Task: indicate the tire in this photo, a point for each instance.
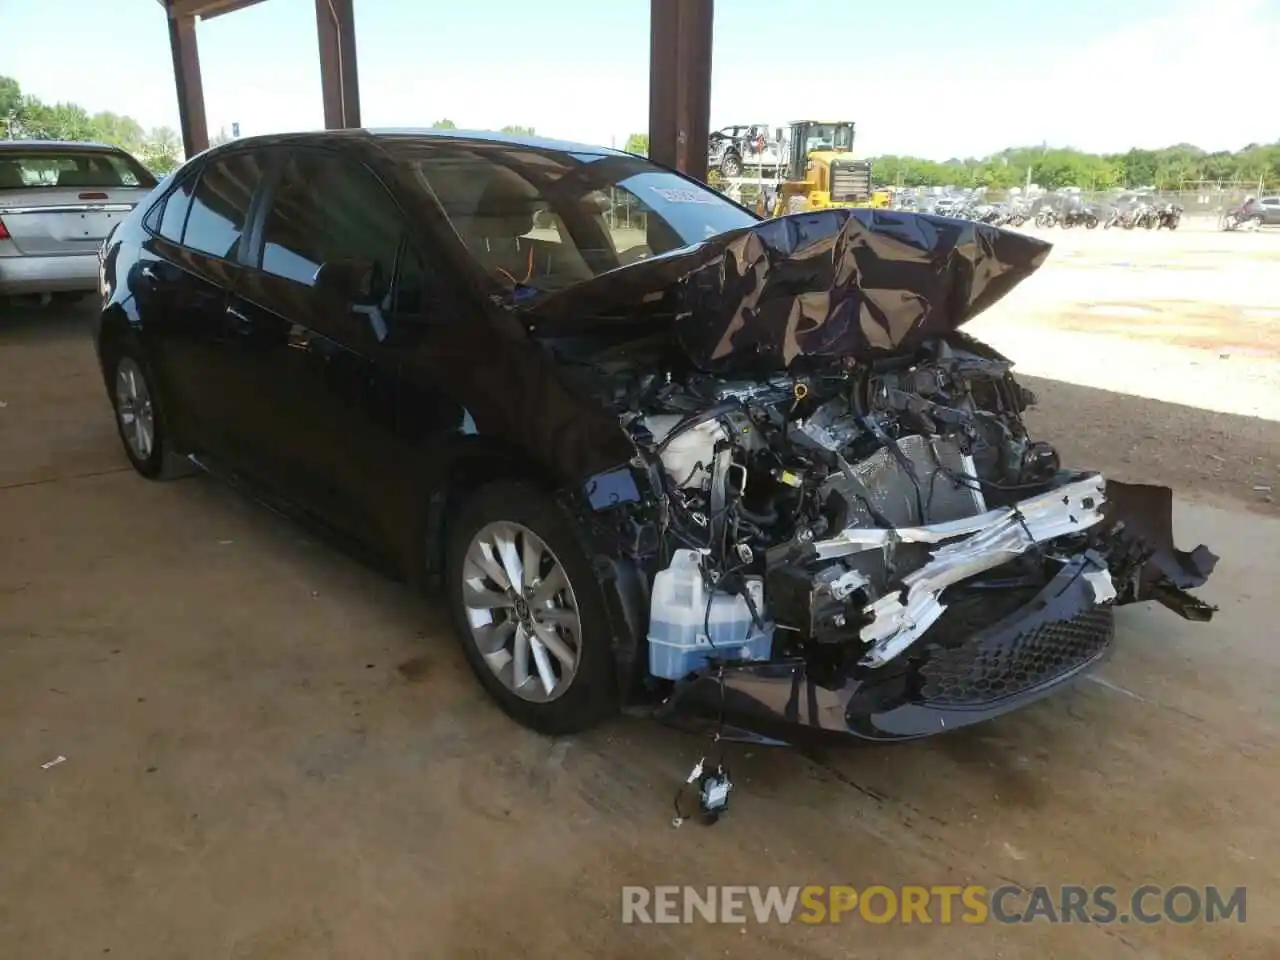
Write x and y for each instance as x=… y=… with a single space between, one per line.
x=139 y=415
x=731 y=165
x=1091 y=223
x=517 y=513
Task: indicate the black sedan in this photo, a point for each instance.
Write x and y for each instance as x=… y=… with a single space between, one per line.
x=656 y=451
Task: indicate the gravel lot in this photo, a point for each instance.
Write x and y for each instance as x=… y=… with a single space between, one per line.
x=273 y=753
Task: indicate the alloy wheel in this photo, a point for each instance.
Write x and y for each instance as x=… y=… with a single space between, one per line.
x=521 y=611
x=134 y=409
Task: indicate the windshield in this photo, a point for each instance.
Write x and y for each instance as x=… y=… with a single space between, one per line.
x=542 y=220
x=829 y=136
x=53 y=167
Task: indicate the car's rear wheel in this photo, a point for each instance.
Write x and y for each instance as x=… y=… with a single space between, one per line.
x=139 y=419
x=529 y=611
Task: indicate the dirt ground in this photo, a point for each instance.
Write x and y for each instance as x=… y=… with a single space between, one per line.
x=271 y=752
x=1156 y=357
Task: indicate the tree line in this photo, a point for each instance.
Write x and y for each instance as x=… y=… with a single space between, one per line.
x=160 y=148
x=1169 y=168
x=23 y=116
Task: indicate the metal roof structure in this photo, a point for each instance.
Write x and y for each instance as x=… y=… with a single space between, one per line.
x=679 y=73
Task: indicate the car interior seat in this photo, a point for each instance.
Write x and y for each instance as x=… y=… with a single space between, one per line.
x=497 y=235
x=10 y=177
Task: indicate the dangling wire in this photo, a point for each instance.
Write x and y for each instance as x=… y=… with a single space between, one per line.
x=528 y=274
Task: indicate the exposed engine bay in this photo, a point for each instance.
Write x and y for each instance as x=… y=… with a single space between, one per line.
x=841 y=517
x=859 y=495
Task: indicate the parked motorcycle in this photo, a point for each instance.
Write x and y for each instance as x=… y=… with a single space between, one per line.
x=1170 y=216
x=1080 y=216
x=991 y=213
x=1246 y=217
x=1118 y=218
x=1145 y=216
x=1046 y=217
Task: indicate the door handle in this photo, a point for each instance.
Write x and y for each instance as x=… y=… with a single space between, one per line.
x=238 y=322
x=148 y=272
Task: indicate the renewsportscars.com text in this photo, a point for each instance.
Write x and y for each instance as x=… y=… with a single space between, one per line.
x=943 y=904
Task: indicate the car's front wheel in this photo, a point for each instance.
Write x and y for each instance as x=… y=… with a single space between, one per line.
x=529 y=611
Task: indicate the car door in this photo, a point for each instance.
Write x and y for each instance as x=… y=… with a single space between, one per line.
x=182 y=283
x=1270 y=210
x=325 y=414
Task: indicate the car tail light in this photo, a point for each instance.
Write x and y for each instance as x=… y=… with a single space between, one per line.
x=4 y=231
x=93 y=196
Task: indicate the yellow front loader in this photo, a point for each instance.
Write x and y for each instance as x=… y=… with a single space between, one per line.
x=822 y=172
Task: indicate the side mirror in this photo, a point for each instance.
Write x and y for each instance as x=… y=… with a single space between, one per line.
x=355 y=281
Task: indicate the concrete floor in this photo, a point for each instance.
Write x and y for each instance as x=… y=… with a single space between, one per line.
x=271 y=752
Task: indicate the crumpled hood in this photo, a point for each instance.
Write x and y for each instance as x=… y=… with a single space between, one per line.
x=831 y=283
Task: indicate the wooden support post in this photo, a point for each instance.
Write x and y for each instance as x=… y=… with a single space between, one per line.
x=186 y=75
x=680 y=39
x=339 y=78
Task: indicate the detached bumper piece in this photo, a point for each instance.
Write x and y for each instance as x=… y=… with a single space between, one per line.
x=991 y=650
x=966 y=677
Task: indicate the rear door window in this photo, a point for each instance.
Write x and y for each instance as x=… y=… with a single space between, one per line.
x=174 y=217
x=220 y=204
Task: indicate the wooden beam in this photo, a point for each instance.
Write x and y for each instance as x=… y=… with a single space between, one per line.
x=339 y=78
x=204 y=9
x=186 y=75
x=680 y=39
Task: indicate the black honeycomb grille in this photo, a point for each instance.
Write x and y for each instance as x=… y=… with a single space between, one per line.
x=984 y=669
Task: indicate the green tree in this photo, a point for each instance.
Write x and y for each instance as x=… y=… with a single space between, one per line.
x=1140 y=168
x=10 y=97
x=114 y=128
x=58 y=121
x=162 y=150
x=518 y=131
x=444 y=125
x=638 y=143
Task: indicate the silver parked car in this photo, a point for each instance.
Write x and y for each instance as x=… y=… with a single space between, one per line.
x=58 y=202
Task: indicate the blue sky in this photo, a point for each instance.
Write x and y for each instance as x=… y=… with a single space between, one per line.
x=928 y=77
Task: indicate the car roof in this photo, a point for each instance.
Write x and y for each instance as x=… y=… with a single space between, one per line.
x=56 y=145
x=391 y=135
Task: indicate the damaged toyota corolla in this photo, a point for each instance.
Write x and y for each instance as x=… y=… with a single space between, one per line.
x=661 y=454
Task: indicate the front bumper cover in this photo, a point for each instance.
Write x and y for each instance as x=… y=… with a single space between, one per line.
x=1059 y=633
x=1063 y=630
